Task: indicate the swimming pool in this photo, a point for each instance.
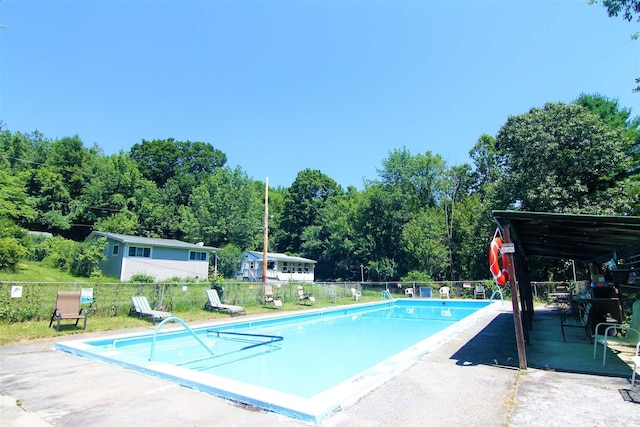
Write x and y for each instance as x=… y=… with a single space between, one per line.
x=303 y=365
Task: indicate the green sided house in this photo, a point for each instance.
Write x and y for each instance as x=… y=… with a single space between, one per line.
x=159 y=258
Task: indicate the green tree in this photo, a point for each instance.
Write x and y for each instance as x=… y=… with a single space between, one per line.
x=112 y=187
x=125 y=222
x=415 y=176
x=229 y=260
x=560 y=158
x=14 y=201
x=307 y=196
x=424 y=243
x=60 y=252
x=335 y=239
x=161 y=160
x=225 y=208
x=618 y=118
x=87 y=256
x=381 y=217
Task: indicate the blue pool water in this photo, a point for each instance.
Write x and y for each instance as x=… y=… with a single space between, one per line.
x=302 y=365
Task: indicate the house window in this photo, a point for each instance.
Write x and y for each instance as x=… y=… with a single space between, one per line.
x=252 y=265
x=271 y=265
x=197 y=256
x=116 y=248
x=299 y=267
x=285 y=266
x=137 y=251
x=306 y=268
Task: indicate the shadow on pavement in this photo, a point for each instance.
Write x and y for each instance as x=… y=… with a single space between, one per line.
x=495 y=345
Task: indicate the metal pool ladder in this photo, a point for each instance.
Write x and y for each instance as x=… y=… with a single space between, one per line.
x=387 y=295
x=152 y=353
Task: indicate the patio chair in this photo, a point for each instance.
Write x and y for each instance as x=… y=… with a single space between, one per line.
x=444 y=292
x=561 y=297
x=479 y=292
x=356 y=294
x=143 y=309
x=425 y=292
x=270 y=297
x=68 y=307
x=214 y=303
x=408 y=292
x=580 y=318
x=332 y=294
x=302 y=297
x=617 y=334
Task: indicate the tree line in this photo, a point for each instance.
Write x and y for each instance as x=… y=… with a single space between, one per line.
x=420 y=219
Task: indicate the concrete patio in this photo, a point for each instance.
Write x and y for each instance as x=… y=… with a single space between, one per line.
x=470 y=380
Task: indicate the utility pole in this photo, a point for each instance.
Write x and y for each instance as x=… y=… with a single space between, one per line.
x=265 y=245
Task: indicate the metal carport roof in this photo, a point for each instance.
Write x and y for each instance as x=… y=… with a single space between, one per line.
x=591 y=238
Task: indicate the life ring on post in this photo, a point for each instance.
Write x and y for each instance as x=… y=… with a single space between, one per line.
x=499 y=273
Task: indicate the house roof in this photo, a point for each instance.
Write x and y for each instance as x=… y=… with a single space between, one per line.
x=150 y=241
x=591 y=238
x=280 y=257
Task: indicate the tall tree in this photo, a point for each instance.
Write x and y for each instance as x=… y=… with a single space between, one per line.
x=224 y=209
x=560 y=158
x=618 y=118
x=415 y=176
x=160 y=160
x=304 y=201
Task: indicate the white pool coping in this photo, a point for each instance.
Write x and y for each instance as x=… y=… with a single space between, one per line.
x=313 y=409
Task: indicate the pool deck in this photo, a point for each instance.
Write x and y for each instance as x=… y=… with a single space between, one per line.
x=470 y=380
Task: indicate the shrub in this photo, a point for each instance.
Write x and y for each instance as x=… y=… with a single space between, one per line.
x=10 y=253
x=87 y=257
x=60 y=252
x=142 y=278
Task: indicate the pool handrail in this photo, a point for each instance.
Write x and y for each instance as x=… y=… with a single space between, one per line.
x=173 y=319
x=272 y=338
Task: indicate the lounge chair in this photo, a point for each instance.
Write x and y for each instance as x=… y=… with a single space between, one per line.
x=270 y=297
x=214 y=303
x=68 y=307
x=302 y=297
x=141 y=307
x=577 y=319
x=617 y=334
x=479 y=292
x=355 y=294
x=444 y=292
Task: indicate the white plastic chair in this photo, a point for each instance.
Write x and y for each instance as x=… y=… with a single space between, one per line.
x=636 y=364
x=356 y=294
x=444 y=292
x=611 y=330
x=408 y=292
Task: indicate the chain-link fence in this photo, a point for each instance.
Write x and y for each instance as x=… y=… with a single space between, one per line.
x=22 y=301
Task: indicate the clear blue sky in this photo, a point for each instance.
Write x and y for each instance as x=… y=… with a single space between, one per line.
x=281 y=86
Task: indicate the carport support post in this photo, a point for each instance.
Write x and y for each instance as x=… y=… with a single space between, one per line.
x=517 y=320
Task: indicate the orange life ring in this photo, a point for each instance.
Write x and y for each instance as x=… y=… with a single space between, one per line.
x=499 y=274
